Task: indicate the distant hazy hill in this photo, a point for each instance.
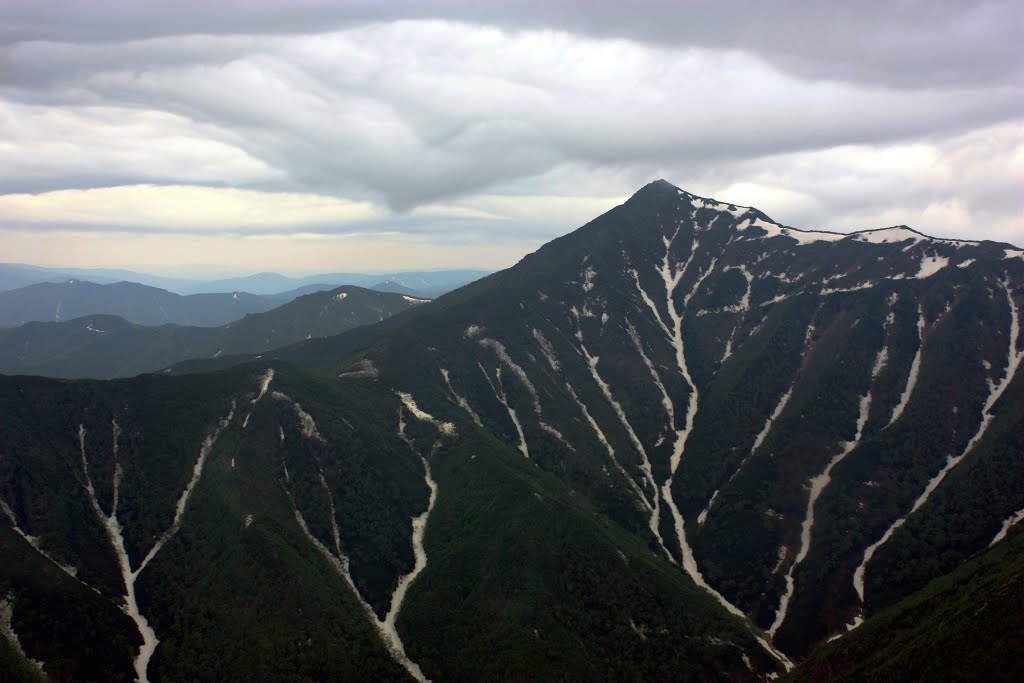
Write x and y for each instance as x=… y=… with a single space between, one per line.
x=394 y=286
x=418 y=283
x=427 y=283
x=106 y=346
x=140 y=304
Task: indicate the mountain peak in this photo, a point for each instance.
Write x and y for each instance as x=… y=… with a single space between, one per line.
x=660 y=186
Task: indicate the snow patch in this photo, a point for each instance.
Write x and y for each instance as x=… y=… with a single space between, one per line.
x=887 y=236
x=446 y=428
x=499 y=394
x=801 y=236
x=931 y=265
x=547 y=349
x=7 y=632
x=419 y=526
x=459 y=399
x=264 y=384
x=915 y=368
x=744 y=303
x=34 y=541
x=361 y=369
x=1009 y=522
x=307 y=425
x=588 y=278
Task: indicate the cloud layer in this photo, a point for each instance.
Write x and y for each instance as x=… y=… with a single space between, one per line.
x=459 y=122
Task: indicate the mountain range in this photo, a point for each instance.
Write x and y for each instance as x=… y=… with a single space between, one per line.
x=682 y=442
x=107 y=346
x=139 y=304
x=418 y=283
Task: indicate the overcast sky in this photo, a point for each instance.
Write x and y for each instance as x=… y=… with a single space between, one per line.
x=305 y=135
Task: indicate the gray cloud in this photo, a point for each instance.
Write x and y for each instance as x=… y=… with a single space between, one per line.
x=909 y=43
x=824 y=109
x=425 y=111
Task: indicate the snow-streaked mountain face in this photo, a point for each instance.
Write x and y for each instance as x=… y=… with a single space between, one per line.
x=681 y=441
x=762 y=403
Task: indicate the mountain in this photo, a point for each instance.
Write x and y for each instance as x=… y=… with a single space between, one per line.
x=16 y=275
x=135 y=303
x=421 y=283
x=394 y=286
x=682 y=442
x=106 y=346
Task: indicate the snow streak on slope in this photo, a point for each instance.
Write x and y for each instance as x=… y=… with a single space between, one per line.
x=674 y=334
x=7 y=632
x=645 y=466
x=115 y=534
x=915 y=368
x=446 y=428
x=761 y=436
x=419 y=526
x=459 y=399
x=264 y=384
x=1011 y=521
x=670 y=409
x=499 y=395
x=768 y=424
x=547 y=349
x=611 y=451
x=517 y=370
x=741 y=308
x=818 y=484
x=34 y=541
x=671 y=279
x=340 y=562
x=1013 y=361
x=549 y=353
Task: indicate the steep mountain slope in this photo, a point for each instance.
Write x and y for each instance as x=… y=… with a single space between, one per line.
x=139 y=304
x=929 y=636
x=250 y=526
x=683 y=442
x=812 y=424
x=104 y=346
